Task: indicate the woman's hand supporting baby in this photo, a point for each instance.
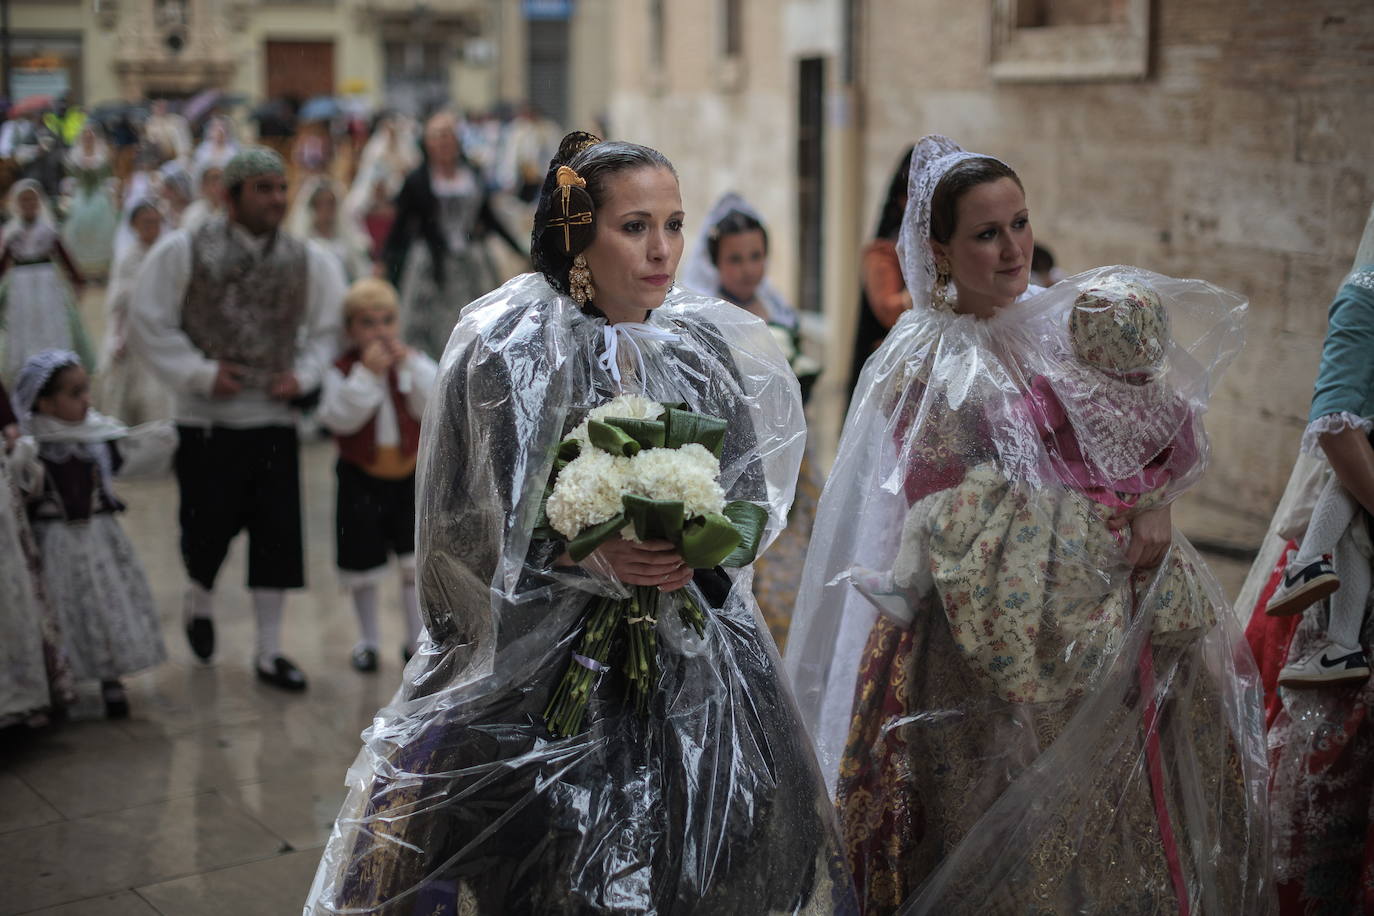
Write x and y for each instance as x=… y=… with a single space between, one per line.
x=1152 y=531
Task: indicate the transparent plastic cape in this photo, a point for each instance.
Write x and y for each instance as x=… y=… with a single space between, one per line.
x=460 y=801
x=1011 y=718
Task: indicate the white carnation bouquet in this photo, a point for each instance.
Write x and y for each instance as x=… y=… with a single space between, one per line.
x=639 y=469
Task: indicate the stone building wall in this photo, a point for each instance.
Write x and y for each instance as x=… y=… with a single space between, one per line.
x=1242 y=158
x=727 y=124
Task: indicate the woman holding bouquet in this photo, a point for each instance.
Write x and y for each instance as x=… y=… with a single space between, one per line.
x=1026 y=689
x=463 y=800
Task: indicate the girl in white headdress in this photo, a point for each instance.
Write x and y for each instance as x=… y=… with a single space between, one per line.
x=176 y=190
x=1017 y=674
x=90 y=571
x=128 y=387
x=318 y=214
x=209 y=202
x=731 y=261
x=92 y=217
x=37 y=304
x=219 y=145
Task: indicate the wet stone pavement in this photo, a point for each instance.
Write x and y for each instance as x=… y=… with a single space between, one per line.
x=217 y=794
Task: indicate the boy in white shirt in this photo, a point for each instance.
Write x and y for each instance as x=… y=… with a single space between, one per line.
x=373 y=398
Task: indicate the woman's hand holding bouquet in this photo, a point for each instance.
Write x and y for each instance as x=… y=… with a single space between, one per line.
x=638 y=483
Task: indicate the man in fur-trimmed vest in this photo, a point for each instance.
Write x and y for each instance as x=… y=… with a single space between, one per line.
x=373 y=399
x=240 y=319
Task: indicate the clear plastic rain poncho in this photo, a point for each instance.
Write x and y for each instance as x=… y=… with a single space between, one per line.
x=461 y=801
x=1013 y=720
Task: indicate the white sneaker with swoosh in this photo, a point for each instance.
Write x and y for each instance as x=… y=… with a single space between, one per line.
x=1326 y=664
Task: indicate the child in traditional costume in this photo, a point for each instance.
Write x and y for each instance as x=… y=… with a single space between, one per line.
x=373 y=399
x=91 y=573
x=128 y=387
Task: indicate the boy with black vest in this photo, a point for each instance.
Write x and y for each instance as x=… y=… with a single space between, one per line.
x=374 y=396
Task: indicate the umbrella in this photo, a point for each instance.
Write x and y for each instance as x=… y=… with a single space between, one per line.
x=30 y=105
x=110 y=113
x=274 y=119
x=201 y=104
x=321 y=108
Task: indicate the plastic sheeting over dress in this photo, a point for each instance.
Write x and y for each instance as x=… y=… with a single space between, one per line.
x=461 y=801
x=1015 y=720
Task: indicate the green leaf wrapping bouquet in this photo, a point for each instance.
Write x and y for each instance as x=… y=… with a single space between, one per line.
x=642 y=470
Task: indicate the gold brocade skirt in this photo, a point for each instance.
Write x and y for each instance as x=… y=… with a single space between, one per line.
x=934 y=785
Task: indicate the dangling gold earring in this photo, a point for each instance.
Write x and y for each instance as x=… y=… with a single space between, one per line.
x=580 y=281
x=944 y=299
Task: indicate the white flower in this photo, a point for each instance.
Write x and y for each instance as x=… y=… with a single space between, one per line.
x=628 y=406
x=588 y=492
x=688 y=474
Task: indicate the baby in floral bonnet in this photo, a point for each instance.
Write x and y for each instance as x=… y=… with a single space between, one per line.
x=1028 y=571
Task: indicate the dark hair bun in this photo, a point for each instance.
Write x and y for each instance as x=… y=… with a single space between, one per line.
x=573 y=144
x=563 y=225
x=570 y=226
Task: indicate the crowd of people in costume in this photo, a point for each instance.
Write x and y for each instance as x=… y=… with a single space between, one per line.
x=975 y=668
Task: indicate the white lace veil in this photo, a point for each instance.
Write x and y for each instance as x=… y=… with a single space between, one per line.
x=700 y=274
x=933 y=157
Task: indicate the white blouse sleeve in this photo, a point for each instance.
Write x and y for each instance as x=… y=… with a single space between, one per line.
x=148 y=450
x=347 y=403
x=423 y=373
x=155 y=318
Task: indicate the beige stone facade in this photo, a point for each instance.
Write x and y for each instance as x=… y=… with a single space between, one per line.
x=1241 y=156
x=135 y=48
x=731 y=121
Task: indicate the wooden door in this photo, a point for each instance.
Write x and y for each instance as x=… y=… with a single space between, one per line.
x=299 y=69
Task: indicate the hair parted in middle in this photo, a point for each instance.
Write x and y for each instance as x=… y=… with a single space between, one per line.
x=565 y=217
x=736 y=222
x=958 y=181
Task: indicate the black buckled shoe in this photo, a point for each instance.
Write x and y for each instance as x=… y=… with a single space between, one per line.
x=364 y=659
x=284 y=675
x=200 y=633
x=116 y=700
